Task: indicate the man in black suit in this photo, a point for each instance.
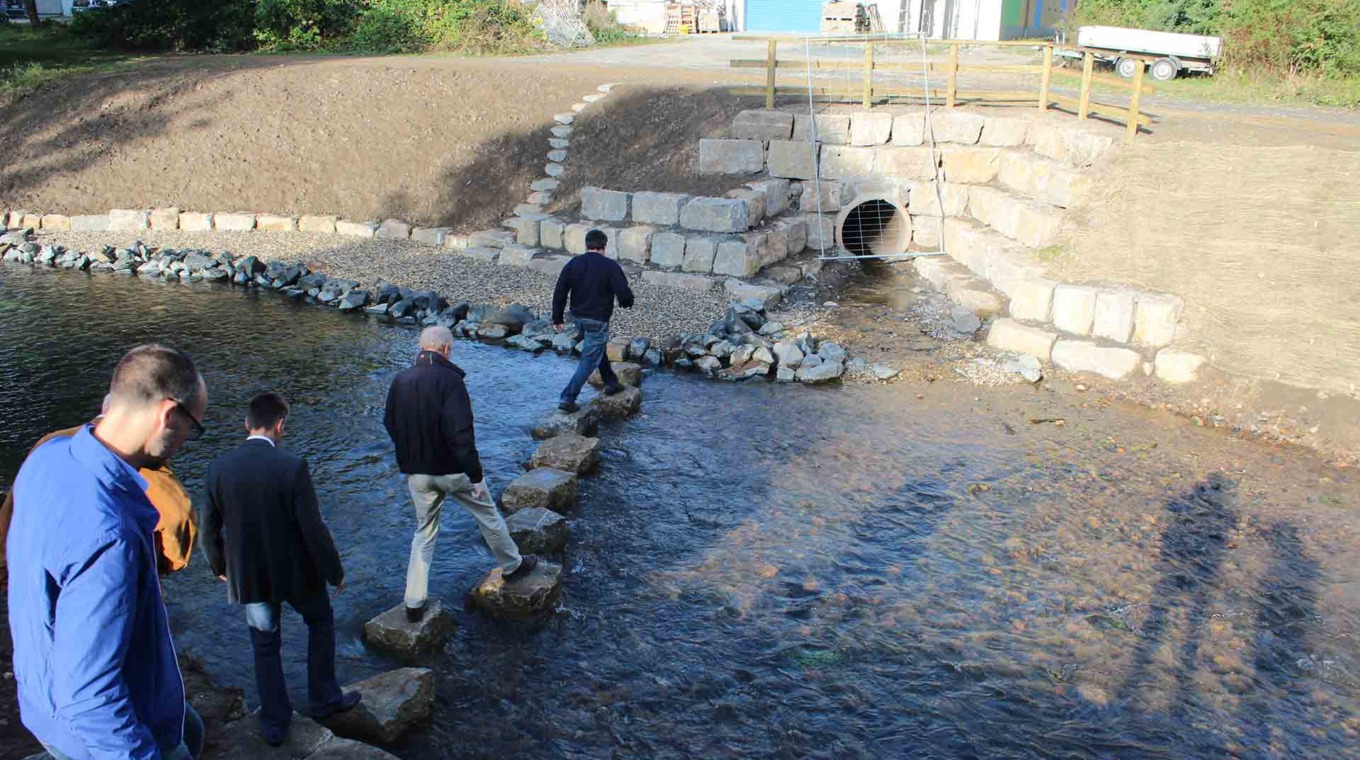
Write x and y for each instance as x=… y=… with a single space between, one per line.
x=276 y=549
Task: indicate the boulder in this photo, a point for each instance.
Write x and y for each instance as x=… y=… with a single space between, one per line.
x=824 y=372
x=543 y=488
x=793 y=159
x=619 y=406
x=617 y=349
x=668 y=249
x=658 y=208
x=629 y=373
x=604 y=205
x=528 y=598
x=515 y=316
x=493 y=332
x=353 y=300
x=716 y=215
x=393 y=703
x=558 y=422
x=763 y=125
x=538 y=531
x=391 y=633
x=572 y=453
x=718 y=156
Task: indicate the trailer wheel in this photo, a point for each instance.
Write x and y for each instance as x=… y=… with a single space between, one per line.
x=1164 y=69
x=1125 y=67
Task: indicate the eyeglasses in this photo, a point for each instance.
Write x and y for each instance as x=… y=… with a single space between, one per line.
x=197 y=430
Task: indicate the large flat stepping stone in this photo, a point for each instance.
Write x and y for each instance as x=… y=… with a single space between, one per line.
x=391 y=633
x=620 y=405
x=244 y=740
x=573 y=453
x=394 y=702
x=584 y=421
x=538 y=531
x=629 y=373
x=528 y=598
x=543 y=487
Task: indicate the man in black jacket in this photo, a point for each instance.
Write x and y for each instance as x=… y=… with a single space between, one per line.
x=276 y=549
x=593 y=281
x=429 y=417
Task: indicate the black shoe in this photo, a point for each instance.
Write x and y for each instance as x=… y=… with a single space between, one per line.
x=346 y=703
x=414 y=614
x=274 y=737
x=570 y=407
x=613 y=390
x=527 y=563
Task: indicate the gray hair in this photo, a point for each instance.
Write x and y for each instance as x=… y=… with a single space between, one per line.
x=153 y=372
x=436 y=338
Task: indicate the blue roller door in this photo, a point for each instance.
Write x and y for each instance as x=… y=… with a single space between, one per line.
x=784 y=16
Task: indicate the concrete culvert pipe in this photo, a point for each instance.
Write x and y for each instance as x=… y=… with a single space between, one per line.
x=873 y=226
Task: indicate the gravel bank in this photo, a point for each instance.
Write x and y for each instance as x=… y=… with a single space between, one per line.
x=660 y=312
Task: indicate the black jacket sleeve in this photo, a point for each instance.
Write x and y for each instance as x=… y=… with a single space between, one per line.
x=210 y=521
x=458 y=429
x=619 y=282
x=315 y=534
x=559 y=305
x=390 y=413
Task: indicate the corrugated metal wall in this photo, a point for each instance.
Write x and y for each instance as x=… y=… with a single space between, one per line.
x=784 y=16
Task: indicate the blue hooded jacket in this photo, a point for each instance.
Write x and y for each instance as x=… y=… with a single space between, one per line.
x=93 y=658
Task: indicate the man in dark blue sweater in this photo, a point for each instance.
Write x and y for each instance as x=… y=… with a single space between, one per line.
x=593 y=282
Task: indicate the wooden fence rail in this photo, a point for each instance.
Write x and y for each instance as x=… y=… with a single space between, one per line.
x=1083 y=106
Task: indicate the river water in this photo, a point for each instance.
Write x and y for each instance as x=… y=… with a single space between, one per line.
x=904 y=571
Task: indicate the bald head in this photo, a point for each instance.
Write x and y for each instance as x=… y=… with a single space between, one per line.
x=436 y=338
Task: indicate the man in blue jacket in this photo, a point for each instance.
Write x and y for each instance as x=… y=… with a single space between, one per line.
x=593 y=282
x=93 y=657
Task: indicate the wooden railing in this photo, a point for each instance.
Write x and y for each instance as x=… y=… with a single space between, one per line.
x=871 y=91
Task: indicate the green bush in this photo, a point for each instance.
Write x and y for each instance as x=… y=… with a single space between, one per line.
x=603 y=23
x=304 y=24
x=171 y=25
x=474 y=26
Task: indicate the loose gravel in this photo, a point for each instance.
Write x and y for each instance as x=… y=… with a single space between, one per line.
x=660 y=312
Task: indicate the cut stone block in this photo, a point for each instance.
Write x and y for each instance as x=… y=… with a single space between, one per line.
x=517 y=255
x=1085 y=356
x=731 y=156
x=1009 y=335
x=320 y=224
x=538 y=531
x=436 y=236
x=63 y=222
x=160 y=219
x=793 y=160
x=768 y=296
x=1114 y=315
x=1158 y=315
x=668 y=249
x=234 y=222
x=1070 y=145
x=629 y=373
x=493 y=238
x=549 y=265
x=777 y=194
x=825 y=197
x=356 y=229
x=558 y=422
x=839 y=162
x=907 y=163
x=487 y=255
x=699 y=254
x=1178 y=366
x=393 y=703
x=693 y=282
x=794 y=232
x=1004 y=132
x=925 y=232
x=737 y=258
x=716 y=215
x=1032 y=300
x=1074 y=308
x=924 y=198
x=635 y=243
x=390 y=632
x=957 y=126
x=275 y=223
x=870 y=128
x=572 y=453
x=528 y=598
x=621 y=405
x=755 y=204
x=93 y=223
x=909 y=130
x=821 y=231
x=1043 y=179
x=543 y=487
x=527 y=230
x=550 y=233
x=604 y=205
x=574 y=238
x=831 y=129
x=762 y=125
x=976 y=166
x=1035 y=224
x=658 y=208
x=127 y=220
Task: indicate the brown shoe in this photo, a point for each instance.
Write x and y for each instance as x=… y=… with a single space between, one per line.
x=527 y=563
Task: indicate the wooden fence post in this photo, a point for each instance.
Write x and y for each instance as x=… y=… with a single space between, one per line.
x=771 y=66
x=868 y=74
x=1048 y=78
x=951 y=93
x=1088 y=68
x=1136 y=102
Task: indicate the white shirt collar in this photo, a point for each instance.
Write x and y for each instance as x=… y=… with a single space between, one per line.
x=266 y=438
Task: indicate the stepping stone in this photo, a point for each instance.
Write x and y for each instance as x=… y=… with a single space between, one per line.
x=390 y=632
x=565 y=119
x=593 y=98
x=579 y=107
x=492 y=238
x=533 y=596
x=605 y=88
x=561 y=130
x=620 y=405
x=538 y=531
x=543 y=488
x=558 y=143
x=572 y=453
x=244 y=740
x=558 y=422
x=554 y=170
x=558 y=155
x=547 y=185
x=393 y=703
x=630 y=373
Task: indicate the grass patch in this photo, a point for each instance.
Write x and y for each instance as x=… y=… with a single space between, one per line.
x=30 y=58
x=1227 y=88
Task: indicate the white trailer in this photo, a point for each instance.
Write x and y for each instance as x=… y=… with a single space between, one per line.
x=1167 y=53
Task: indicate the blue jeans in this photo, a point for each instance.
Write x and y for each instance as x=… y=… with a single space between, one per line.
x=593 y=357
x=189 y=749
x=266 y=638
